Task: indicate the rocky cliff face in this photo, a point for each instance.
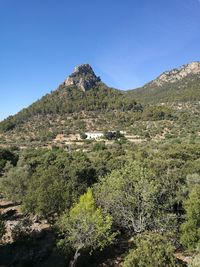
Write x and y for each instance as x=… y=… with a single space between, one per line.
x=83 y=77
x=177 y=74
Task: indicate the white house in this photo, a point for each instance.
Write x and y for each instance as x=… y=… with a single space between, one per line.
x=94 y=135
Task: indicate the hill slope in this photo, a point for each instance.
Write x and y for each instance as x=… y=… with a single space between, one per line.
x=82 y=95
x=177 y=85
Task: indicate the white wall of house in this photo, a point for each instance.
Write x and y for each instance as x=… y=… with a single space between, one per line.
x=94 y=135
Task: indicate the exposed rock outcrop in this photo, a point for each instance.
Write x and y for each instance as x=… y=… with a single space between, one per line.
x=83 y=77
x=177 y=74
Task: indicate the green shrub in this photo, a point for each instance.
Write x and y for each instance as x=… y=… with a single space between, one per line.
x=152 y=250
x=190 y=229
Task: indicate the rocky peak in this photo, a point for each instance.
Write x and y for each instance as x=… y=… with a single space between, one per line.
x=177 y=74
x=83 y=77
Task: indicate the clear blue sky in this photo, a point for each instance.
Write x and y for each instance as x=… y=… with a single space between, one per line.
x=127 y=42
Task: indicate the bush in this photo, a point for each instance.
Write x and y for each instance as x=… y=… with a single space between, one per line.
x=83 y=136
x=196 y=260
x=155 y=113
x=152 y=250
x=7 y=156
x=190 y=229
x=129 y=195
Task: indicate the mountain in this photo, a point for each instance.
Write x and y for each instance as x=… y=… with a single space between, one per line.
x=83 y=103
x=83 y=77
x=176 y=75
x=82 y=94
x=181 y=84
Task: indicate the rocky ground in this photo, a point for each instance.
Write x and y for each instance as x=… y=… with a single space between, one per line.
x=29 y=241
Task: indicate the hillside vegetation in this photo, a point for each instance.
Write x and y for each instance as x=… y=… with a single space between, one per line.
x=185 y=90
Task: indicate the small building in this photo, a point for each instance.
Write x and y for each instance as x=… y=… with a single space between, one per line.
x=94 y=135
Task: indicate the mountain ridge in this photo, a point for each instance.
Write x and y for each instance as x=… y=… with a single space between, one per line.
x=177 y=74
x=179 y=84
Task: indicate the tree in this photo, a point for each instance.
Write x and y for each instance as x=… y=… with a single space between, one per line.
x=83 y=136
x=7 y=156
x=85 y=227
x=15 y=181
x=48 y=193
x=113 y=135
x=190 y=229
x=152 y=250
x=48 y=182
x=129 y=195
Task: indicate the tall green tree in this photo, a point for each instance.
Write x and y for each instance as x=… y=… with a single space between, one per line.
x=85 y=227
